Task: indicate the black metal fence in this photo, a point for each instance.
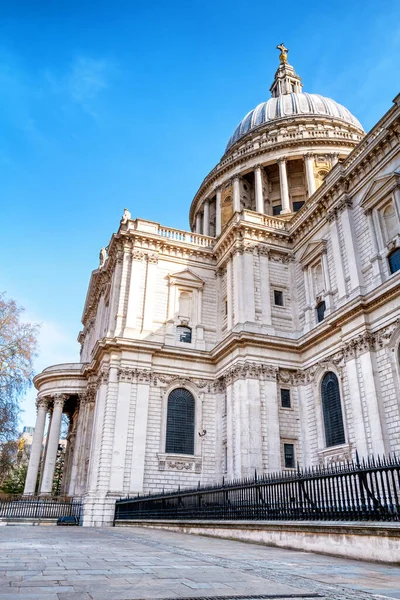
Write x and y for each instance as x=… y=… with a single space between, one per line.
x=358 y=491
x=39 y=508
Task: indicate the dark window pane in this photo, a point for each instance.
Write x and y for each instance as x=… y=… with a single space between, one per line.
x=288 y=450
x=285 y=398
x=321 y=307
x=180 y=422
x=332 y=410
x=278 y=298
x=394 y=261
x=297 y=206
x=276 y=210
x=184 y=334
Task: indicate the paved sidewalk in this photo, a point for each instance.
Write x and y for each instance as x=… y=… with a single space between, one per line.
x=54 y=563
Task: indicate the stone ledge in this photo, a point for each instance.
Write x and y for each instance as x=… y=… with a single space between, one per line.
x=378 y=542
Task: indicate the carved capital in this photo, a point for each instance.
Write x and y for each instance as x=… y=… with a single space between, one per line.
x=59 y=400
x=137 y=254
x=103 y=376
x=152 y=258
x=42 y=403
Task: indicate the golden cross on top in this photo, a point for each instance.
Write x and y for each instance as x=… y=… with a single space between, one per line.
x=284 y=52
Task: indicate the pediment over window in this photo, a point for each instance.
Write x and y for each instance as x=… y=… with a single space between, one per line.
x=379 y=189
x=312 y=252
x=186 y=278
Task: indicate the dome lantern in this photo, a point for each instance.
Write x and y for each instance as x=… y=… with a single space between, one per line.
x=286 y=80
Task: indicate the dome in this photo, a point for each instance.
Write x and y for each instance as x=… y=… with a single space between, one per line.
x=291 y=105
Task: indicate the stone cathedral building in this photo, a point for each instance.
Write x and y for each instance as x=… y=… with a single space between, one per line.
x=266 y=335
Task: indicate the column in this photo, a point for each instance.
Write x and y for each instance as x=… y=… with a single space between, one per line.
x=372 y=403
x=251 y=431
x=123 y=287
x=218 y=213
x=247 y=287
x=284 y=187
x=351 y=249
x=337 y=257
x=309 y=162
x=272 y=417
x=236 y=194
x=237 y=288
x=258 y=184
x=79 y=441
x=327 y=282
x=230 y=429
x=121 y=424
x=375 y=257
x=54 y=437
x=206 y=218
x=135 y=292
x=308 y=307
x=334 y=159
x=265 y=289
x=198 y=223
x=356 y=405
x=150 y=292
x=229 y=292
x=36 y=449
x=139 y=437
x=115 y=284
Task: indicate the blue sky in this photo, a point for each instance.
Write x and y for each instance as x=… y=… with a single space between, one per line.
x=113 y=104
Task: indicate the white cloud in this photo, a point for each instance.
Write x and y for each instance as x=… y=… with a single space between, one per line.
x=82 y=82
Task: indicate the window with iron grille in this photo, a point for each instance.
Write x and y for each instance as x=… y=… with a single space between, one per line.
x=180 y=422
x=184 y=334
x=278 y=298
x=288 y=451
x=321 y=307
x=285 y=398
x=332 y=410
x=394 y=261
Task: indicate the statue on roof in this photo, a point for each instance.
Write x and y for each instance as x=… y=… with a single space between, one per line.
x=125 y=217
x=283 y=54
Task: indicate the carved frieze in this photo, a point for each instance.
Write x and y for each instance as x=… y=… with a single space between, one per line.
x=177 y=462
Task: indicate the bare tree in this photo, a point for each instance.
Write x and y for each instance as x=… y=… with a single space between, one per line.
x=18 y=346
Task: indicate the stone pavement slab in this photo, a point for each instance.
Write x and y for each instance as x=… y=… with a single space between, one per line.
x=54 y=563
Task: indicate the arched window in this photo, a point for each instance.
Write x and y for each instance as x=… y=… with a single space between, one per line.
x=184 y=334
x=332 y=410
x=180 y=422
x=394 y=260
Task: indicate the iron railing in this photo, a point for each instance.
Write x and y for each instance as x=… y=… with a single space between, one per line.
x=355 y=491
x=39 y=508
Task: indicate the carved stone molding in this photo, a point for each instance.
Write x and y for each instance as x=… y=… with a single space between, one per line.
x=180 y=462
x=365 y=342
x=250 y=370
x=335 y=456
